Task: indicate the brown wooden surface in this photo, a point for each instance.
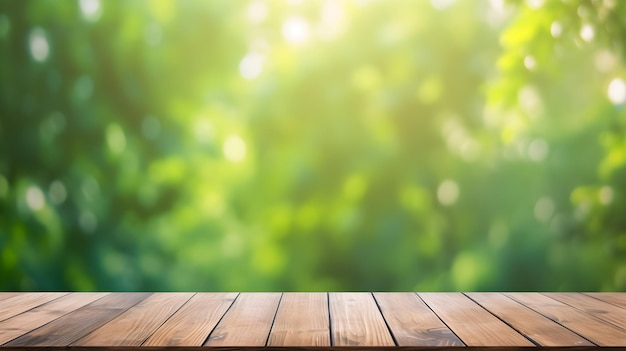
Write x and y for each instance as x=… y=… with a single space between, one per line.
x=247 y=322
x=533 y=325
x=15 y=305
x=593 y=329
x=6 y=295
x=597 y=308
x=617 y=299
x=473 y=324
x=412 y=323
x=78 y=323
x=135 y=325
x=301 y=320
x=25 y=322
x=356 y=321
x=311 y=321
x=191 y=325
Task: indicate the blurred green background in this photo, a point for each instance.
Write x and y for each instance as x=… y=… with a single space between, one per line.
x=312 y=145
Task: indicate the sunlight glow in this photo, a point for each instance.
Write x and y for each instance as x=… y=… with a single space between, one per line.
x=605 y=60
x=530 y=63
x=333 y=16
x=534 y=4
x=251 y=65
x=441 y=4
x=448 y=192
x=296 y=30
x=587 y=32
x=556 y=29
x=538 y=150
x=617 y=91
x=38 y=44
x=34 y=198
x=606 y=195
x=257 y=11
x=530 y=101
x=91 y=9
x=496 y=12
x=234 y=148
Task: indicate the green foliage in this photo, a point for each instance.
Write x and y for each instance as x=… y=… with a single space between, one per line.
x=312 y=145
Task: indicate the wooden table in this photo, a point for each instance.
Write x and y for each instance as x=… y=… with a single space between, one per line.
x=491 y=321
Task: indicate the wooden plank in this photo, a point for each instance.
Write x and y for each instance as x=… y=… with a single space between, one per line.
x=23 y=302
x=597 y=308
x=74 y=325
x=534 y=326
x=135 y=325
x=412 y=323
x=247 y=322
x=6 y=295
x=471 y=323
x=356 y=321
x=192 y=323
x=617 y=299
x=301 y=320
x=593 y=329
x=23 y=323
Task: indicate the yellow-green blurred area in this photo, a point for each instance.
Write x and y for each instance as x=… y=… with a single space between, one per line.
x=312 y=145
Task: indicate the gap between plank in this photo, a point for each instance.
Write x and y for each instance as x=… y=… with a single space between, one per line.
x=393 y=337
x=330 y=321
x=583 y=311
x=280 y=300
x=167 y=319
x=587 y=294
x=32 y=308
x=63 y=315
x=442 y=321
x=505 y=322
x=548 y=317
x=119 y=314
x=220 y=320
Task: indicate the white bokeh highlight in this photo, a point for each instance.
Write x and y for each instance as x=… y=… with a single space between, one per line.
x=234 y=148
x=296 y=30
x=448 y=192
x=251 y=65
x=38 y=45
x=617 y=91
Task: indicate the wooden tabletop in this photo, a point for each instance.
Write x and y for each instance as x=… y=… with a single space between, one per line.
x=491 y=321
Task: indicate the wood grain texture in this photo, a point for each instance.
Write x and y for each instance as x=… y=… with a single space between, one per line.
x=135 y=325
x=74 y=325
x=38 y=316
x=533 y=325
x=593 y=329
x=6 y=295
x=597 y=308
x=471 y=323
x=617 y=299
x=192 y=323
x=15 y=305
x=412 y=323
x=247 y=322
x=301 y=320
x=356 y=321
x=311 y=321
